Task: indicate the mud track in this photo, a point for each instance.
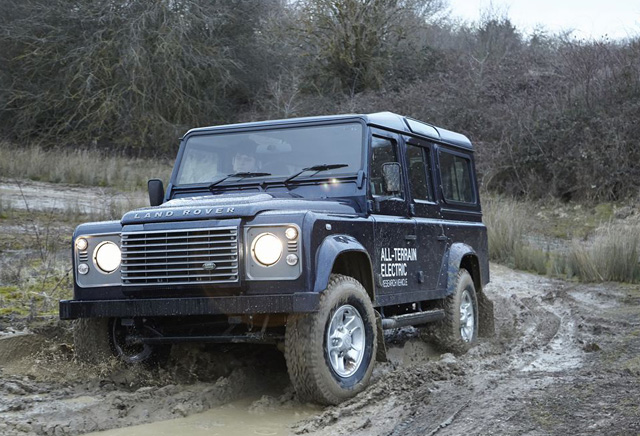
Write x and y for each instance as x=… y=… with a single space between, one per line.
x=565 y=360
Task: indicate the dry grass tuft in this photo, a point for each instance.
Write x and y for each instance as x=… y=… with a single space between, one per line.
x=612 y=256
x=90 y=167
x=506 y=223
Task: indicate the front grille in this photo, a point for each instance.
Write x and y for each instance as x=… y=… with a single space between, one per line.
x=180 y=257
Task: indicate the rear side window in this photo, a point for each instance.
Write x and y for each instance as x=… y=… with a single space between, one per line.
x=455 y=172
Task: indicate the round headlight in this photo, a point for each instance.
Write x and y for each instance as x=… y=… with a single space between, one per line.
x=107 y=257
x=267 y=249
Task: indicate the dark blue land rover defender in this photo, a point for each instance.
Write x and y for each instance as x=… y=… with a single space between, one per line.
x=314 y=234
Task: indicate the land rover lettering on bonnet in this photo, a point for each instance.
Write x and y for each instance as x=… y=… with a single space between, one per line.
x=312 y=234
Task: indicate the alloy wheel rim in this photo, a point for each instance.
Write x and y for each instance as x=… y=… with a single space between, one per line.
x=467 y=317
x=346 y=341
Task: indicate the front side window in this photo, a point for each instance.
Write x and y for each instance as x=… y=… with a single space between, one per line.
x=277 y=153
x=383 y=154
x=418 y=173
x=455 y=172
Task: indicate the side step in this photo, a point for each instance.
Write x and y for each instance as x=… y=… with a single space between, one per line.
x=219 y=339
x=416 y=318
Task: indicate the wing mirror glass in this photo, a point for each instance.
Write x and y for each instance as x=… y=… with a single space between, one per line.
x=156 y=192
x=391 y=173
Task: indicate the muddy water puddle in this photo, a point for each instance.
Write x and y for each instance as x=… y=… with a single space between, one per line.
x=241 y=418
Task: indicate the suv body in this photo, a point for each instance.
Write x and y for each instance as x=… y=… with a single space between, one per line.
x=340 y=227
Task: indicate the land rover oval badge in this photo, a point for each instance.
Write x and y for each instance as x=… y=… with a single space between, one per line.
x=209 y=266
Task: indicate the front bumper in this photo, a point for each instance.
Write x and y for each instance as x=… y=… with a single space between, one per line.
x=301 y=302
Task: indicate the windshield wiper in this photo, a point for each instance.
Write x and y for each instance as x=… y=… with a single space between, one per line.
x=242 y=175
x=317 y=169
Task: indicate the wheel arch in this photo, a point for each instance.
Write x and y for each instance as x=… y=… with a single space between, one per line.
x=343 y=254
x=463 y=256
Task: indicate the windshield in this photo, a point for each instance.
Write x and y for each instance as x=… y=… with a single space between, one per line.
x=280 y=153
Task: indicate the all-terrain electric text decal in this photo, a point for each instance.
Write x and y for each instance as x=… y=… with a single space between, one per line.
x=393 y=265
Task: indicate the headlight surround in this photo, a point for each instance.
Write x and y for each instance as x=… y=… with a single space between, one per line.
x=107 y=257
x=267 y=249
x=268 y=252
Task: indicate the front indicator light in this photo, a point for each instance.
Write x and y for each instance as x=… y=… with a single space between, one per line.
x=292 y=259
x=267 y=249
x=107 y=257
x=83 y=268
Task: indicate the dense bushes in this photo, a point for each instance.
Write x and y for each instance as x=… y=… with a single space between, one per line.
x=549 y=114
x=126 y=73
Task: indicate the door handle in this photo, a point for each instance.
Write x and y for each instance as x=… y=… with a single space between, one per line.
x=441 y=238
x=411 y=238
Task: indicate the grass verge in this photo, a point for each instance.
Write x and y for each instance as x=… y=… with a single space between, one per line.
x=90 y=167
x=608 y=253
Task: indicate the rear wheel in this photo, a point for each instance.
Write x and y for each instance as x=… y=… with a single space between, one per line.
x=458 y=331
x=330 y=353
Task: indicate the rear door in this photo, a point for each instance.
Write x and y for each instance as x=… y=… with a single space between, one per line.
x=431 y=240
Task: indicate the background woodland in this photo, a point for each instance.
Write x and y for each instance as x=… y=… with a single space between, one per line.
x=549 y=114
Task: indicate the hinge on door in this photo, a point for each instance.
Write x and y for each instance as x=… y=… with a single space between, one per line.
x=360 y=179
x=370 y=206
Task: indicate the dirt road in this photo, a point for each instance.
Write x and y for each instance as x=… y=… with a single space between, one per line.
x=565 y=360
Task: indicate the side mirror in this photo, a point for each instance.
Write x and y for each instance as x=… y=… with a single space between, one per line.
x=156 y=192
x=391 y=173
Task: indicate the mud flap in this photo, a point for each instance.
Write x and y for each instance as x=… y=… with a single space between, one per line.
x=381 y=354
x=486 y=325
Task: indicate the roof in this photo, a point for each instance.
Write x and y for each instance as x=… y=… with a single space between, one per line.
x=385 y=120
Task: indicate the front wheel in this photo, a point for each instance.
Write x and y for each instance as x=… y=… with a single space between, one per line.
x=127 y=345
x=330 y=353
x=98 y=339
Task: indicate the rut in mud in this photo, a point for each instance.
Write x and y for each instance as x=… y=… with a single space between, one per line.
x=564 y=360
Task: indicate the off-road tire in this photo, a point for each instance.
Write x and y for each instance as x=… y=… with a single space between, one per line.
x=91 y=340
x=445 y=334
x=94 y=344
x=306 y=340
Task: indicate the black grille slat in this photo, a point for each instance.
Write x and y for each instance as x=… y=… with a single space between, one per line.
x=187 y=256
x=166 y=237
x=219 y=268
x=178 y=250
x=158 y=245
x=192 y=262
x=137 y=256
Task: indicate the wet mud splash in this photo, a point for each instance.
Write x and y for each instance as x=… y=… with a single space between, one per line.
x=564 y=360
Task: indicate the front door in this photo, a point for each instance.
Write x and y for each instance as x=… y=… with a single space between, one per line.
x=394 y=230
